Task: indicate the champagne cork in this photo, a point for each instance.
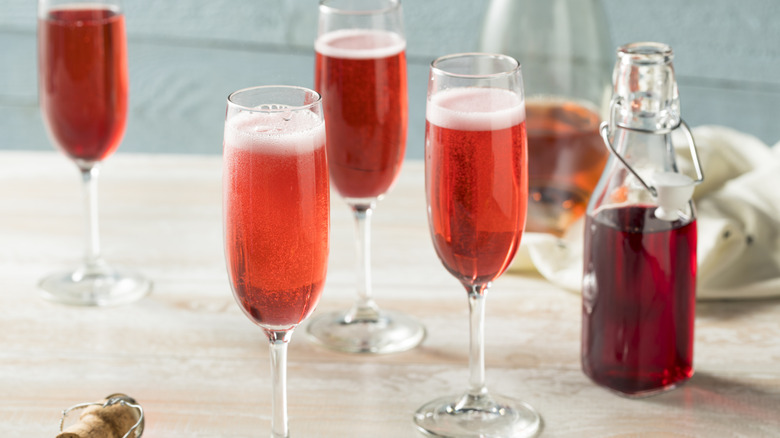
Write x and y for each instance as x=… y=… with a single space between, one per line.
x=112 y=417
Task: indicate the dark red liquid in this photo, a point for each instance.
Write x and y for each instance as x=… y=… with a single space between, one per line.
x=83 y=80
x=365 y=104
x=277 y=219
x=477 y=191
x=567 y=157
x=638 y=300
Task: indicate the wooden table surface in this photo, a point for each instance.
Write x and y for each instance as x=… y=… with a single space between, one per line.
x=200 y=368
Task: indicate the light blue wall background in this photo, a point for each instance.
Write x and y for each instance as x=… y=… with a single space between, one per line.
x=186 y=56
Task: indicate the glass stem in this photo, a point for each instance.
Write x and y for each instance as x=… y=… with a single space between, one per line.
x=89 y=176
x=477 y=340
x=278 y=348
x=365 y=307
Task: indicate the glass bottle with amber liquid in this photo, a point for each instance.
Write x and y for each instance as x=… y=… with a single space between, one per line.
x=639 y=282
x=566 y=56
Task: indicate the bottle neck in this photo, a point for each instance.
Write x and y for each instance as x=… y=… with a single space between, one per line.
x=645 y=109
x=645 y=152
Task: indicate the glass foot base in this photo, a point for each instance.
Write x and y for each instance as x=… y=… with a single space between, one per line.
x=97 y=286
x=482 y=416
x=390 y=332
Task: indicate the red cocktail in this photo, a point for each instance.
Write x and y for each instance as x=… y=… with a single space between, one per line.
x=362 y=77
x=477 y=181
x=83 y=64
x=276 y=216
x=83 y=88
x=360 y=70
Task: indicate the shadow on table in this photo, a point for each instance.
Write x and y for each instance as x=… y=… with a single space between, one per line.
x=750 y=404
x=731 y=309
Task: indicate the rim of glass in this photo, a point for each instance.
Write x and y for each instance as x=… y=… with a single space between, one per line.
x=646 y=52
x=44 y=10
x=317 y=99
x=514 y=65
x=391 y=6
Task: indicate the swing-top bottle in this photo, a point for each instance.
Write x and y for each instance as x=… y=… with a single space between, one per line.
x=639 y=278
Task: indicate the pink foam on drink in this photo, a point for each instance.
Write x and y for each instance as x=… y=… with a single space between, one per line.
x=360 y=44
x=43 y=13
x=475 y=109
x=293 y=132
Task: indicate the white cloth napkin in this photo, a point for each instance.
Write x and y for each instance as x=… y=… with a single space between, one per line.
x=738 y=220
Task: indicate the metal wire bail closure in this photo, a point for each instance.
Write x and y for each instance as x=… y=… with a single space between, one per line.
x=134 y=432
x=604 y=129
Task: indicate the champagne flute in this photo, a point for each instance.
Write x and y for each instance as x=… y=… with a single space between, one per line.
x=476 y=181
x=361 y=74
x=82 y=61
x=276 y=215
